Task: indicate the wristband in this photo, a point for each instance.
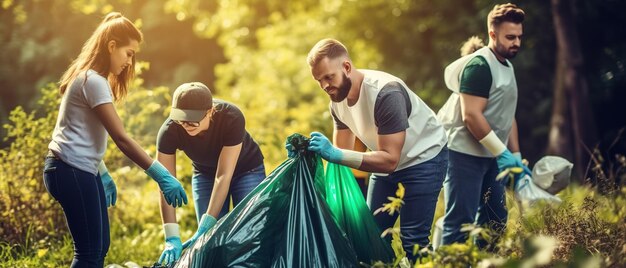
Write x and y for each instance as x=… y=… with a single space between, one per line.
x=171 y=229
x=493 y=144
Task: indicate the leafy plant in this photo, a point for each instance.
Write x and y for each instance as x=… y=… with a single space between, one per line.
x=605 y=171
x=28 y=212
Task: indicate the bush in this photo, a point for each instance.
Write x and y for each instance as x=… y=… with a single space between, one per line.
x=589 y=225
x=32 y=224
x=28 y=212
x=588 y=220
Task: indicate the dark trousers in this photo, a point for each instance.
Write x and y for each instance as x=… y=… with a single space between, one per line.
x=472 y=195
x=82 y=198
x=240 y=186
x=422 y=184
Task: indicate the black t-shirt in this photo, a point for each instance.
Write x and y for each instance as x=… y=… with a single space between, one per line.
x=227 y=128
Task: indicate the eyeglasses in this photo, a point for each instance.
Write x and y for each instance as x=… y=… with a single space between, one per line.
x=190 y=123
x=187 y=123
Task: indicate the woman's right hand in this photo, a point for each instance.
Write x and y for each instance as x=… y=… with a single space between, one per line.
x=172 y=189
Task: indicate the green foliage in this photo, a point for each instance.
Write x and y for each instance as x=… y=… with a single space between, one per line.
x=259 y=50
x=596 y=223
x=457 y=255
x=52 y=254
x=38 y=40
x=28 y=212
x=607 y=172
x=32 y=225
x=266 y=73
x=586 y=230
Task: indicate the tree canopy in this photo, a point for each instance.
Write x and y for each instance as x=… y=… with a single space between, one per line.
x=253 y=52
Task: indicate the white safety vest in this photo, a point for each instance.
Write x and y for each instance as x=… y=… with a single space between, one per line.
x=500 y=110
x=425 y=137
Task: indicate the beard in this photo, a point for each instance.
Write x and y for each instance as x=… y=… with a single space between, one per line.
x=507 y=53
x=342 y=90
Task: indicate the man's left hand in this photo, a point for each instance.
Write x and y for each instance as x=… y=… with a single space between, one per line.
x=320 y=144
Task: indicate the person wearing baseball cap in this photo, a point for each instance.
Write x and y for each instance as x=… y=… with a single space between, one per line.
x=226 y=161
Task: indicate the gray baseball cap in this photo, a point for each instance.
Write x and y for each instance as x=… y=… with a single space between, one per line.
x=190 y=102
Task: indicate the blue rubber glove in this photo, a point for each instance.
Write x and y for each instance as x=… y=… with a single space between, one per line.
x=171 y=252
x=110 y=190
x=525 y=171
x=291 y=152
x=320 y=144
x=206 y=223
x=507 y=160
x=172 y=189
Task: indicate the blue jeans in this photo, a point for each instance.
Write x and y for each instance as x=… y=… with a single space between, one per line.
x=472 y=195
x=82 y=198
x=240 y=187
x=422 y=184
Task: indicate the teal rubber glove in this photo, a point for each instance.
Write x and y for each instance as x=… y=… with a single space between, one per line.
x=321 y=145
x=291 y=152
x=172 y=189
x=110 y=190
x=172 y=251
x=507 y=160
x=525 y=169
x=206 y=223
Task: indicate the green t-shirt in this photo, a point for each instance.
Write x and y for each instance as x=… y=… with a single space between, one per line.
x=476 y=78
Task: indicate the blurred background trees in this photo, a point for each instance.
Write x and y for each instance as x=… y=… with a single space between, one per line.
x=570 y=73
x=253 y=53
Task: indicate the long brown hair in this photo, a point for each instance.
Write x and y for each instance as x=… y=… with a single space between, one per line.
x=95 y=54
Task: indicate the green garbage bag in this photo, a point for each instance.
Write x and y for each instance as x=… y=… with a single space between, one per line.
x=283 y=222
x=348 y=206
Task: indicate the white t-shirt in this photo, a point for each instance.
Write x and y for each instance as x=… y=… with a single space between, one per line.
x=79 y=138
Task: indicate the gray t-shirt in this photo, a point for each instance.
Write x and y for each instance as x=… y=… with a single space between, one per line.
x=391 y=110
x=79 y=138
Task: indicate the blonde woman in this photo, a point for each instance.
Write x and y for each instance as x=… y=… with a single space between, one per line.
x=74 y=173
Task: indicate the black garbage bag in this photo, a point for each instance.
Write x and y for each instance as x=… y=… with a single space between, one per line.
x=283 y=222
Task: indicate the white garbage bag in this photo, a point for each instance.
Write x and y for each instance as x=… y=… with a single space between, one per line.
x=527 y=192
x=552 y=173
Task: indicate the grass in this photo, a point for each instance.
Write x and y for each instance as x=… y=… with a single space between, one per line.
x=588 y=227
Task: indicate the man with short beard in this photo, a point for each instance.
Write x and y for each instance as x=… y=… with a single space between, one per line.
x=479 y=119
x=407 y=144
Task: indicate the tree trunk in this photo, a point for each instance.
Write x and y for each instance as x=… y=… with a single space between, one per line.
x=572 y=129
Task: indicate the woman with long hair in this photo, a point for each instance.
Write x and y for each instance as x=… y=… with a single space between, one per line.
x=74 y=173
